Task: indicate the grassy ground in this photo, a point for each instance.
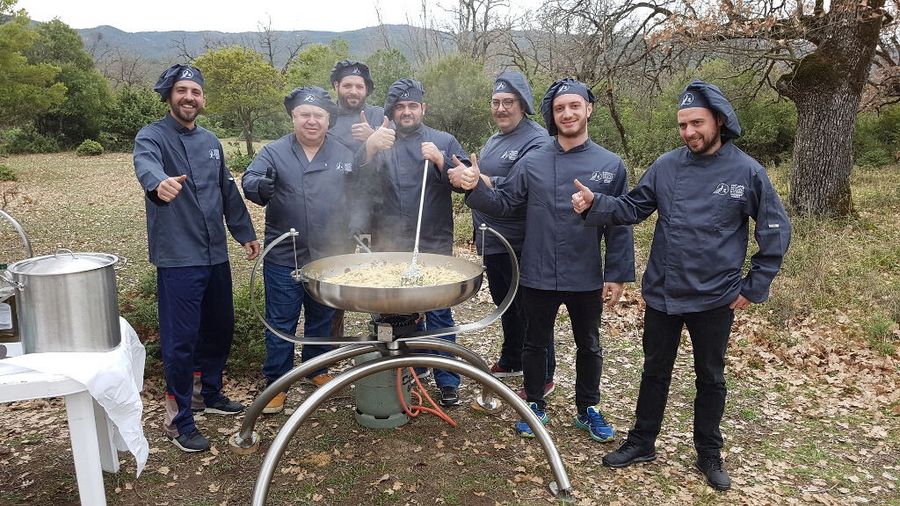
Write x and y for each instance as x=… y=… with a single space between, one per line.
x=813 y=413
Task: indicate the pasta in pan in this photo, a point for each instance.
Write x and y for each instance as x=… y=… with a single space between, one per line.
x=385 y=275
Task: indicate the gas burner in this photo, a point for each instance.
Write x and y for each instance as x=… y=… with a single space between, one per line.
x=387 y=327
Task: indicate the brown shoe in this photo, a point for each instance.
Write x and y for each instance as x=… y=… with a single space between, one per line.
x=276 y=405
x=319 y=379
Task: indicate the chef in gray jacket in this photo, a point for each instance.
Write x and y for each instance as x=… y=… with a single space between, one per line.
x=300 y=178
x=562 y=260
x=510 y=106
x=704 y=191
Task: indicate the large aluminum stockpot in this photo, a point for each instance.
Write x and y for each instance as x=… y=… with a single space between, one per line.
x=402 y=300
x=67 y=302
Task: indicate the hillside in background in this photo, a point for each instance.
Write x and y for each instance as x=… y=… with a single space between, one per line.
x=167 y=46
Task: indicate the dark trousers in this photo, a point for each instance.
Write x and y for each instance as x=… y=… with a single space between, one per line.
x=434 y=320
x=585 y=309
x=709 y=332
x=285 y=297
x=513 y=321
x=196 y=326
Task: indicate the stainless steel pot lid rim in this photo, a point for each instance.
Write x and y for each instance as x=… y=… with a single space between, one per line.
x=63 y=263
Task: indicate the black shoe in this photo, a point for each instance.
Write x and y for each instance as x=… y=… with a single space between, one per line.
x=711 y=467
x=627 y=454
x=224 y=406
x=191 y=442
x=449 y=396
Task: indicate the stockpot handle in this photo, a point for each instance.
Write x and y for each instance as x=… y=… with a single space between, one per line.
x=64 y=250
x=12 y=282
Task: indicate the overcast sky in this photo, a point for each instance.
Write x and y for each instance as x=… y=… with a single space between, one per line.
x=194 y=15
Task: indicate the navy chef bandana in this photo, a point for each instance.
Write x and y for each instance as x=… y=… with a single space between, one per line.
x=565 y=86
x=510 y=81
x=403 y=90
x=703 y=94
x=346 y=68
x=312 y=95
x=173 y=74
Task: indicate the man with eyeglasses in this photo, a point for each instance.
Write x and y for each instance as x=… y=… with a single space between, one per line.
x=518 y=135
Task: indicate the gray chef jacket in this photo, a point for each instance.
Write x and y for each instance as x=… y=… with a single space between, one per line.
x=700 y=239
x=345 y=120
x=388 y=188
x=310 y=197
x=188 y=231
x=559 y=253
x=496 y=160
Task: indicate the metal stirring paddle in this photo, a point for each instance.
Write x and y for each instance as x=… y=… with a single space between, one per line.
x=413 y=274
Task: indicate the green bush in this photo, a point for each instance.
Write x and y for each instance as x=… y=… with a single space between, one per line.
x=134 y=107
x=89 y=148
x=877 y=137
x=248 y=350
x=26 y=140
x=7 y=174
x=238 y=162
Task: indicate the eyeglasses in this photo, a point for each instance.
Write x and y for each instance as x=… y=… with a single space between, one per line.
x=506 y=102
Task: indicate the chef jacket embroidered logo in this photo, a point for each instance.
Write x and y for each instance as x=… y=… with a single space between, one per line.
x=309 y=98
x=187 y=74
x=345 y=167
x=602 y=177
x=688 y=99
x=500 y=86
x=737 y=191
x=214 y=154
x=722 y=189
x=512 y=154
x=562 y=89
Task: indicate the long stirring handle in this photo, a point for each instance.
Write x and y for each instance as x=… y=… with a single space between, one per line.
x=421 y=204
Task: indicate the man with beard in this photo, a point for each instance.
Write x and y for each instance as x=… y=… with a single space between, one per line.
x=389 y=188
x=181 y=167
x=355 y=120
x=300 y=179
x=704 y=192
x=518 y=135
x=561 y=258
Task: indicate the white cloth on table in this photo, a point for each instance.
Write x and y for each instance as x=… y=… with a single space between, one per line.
x=114 y=379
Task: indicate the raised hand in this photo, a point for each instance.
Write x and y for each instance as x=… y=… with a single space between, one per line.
x=455 y=173
x=471 y=175
x=583 y=199
x=381 y=139
x=266 y=185
x=362 y=130
x=431 y=153
x=169 y=188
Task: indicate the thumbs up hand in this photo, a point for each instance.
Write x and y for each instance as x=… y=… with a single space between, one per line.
x=169 y=187
x=362 y=130
x=381 y=139
x=583 y=199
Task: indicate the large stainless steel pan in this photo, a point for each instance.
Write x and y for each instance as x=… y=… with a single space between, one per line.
x=402 y=300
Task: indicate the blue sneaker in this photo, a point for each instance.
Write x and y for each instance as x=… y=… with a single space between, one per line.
x=523 y=429
x=597 y=426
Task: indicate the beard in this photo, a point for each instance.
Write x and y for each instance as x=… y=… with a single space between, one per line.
x=578 y=130
x=344 y=102
x=406 y=128
x=188 y=116
x=706 y=146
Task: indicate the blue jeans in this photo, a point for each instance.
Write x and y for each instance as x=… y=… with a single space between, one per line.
x=196 y=327
x=513 y=321
x=441 y=319
x=284 y=298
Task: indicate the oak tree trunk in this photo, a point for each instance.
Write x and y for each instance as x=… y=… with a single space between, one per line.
x=826 y=87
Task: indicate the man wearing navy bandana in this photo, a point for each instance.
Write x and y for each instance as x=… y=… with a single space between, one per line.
x=355 y=120
x=300 y=179
x=389 y=187
x=561 y=258
x=704 y=192
x=510 y=104
x=188 y=191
